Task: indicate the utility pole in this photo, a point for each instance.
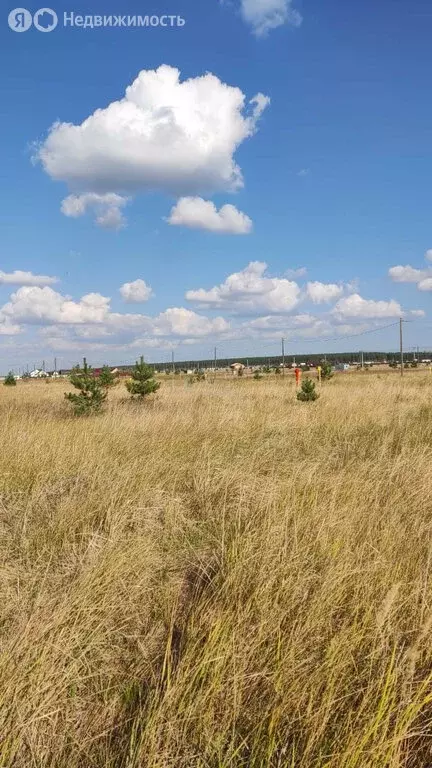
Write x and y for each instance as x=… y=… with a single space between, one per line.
x=401 y=346
x=55 y=365
x=283 y=356
x=215 y=358
x=172 y=361
x=362 y=360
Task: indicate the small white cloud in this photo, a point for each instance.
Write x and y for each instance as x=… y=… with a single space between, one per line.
x=196 y=213
x=356 y=306
x=25 y=278
x=428 y=255
x=106 y=208
x=321 y=293
x=136 y=292
x=303 y=172
x=418 y=313
x=406 y=274
x=265 y=15
x=425 y=285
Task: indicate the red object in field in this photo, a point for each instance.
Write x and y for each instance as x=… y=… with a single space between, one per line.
x=298 y=374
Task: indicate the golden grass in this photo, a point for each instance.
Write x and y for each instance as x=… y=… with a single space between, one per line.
x=221 y=576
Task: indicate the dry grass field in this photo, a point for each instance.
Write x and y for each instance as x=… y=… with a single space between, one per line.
x=221 y=576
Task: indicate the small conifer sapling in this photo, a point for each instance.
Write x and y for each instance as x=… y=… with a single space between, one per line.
x=142 y=382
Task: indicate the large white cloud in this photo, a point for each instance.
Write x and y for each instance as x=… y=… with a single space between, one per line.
x=356 y=306
x=264 y=15
x=32 y=304
x=196 y=213
x=322 y=293
x=136 y=292
x=107 y=208
x=250 y=291
x=425 y=285
x=18 y=277
x=164 y=134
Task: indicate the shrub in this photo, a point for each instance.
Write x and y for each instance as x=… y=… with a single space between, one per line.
x=258 y=375
x=106 y=378
x=307 y=392
x=199 y=374
x=91 y=395
x=142 y=382
x=10 y=380
x=266 y=369
x=277 y=371
x=326 y=371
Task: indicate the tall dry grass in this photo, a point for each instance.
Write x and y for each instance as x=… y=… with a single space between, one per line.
x=220 y=577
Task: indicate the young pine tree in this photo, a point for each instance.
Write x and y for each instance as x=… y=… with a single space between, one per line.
x=326 y=371
x=307 y=392
x=106 y=378
x=142 y=382
x=91 y=395
x=10 y=380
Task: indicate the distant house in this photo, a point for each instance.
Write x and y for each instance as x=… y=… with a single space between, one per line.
x=237 y=367
x=342 y=367
x=38 y=374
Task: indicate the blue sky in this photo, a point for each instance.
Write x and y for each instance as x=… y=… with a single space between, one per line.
x=335 y=167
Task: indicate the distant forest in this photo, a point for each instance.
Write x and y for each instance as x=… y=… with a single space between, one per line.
x=314 y=359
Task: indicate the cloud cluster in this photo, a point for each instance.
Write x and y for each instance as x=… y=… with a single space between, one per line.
x=265 y=15
x=92 y=317
x=196 y=213
x=174 y=136
x=252 y=291
x=260 y=306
